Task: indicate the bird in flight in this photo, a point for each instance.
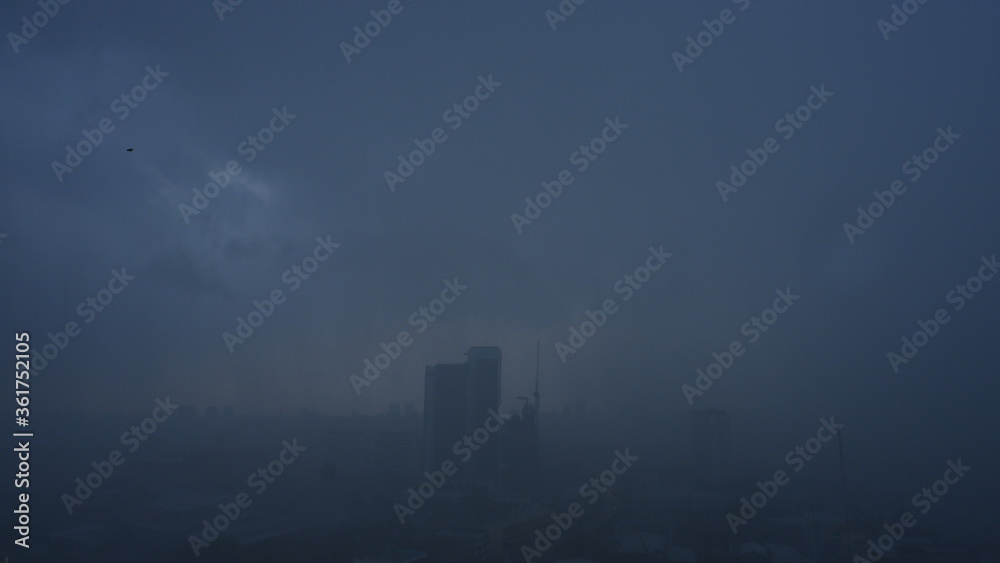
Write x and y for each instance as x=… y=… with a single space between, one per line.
x=129 y=150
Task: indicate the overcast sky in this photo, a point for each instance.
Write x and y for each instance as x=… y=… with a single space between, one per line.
x=323 y=175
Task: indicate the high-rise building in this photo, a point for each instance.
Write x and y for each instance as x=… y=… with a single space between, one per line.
x=711 y=447
x=458 y=399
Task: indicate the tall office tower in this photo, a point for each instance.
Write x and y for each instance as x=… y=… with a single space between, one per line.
x=458 y=399
x=711 y=448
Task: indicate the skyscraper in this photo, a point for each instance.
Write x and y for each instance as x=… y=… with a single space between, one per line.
x=457 y=400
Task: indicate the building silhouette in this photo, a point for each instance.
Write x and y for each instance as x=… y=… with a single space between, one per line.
x=458 y=398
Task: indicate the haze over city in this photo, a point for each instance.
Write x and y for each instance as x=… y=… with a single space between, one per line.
x=694 y=231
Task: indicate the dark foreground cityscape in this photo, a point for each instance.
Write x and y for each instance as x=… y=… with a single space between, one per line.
x=467 y=481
